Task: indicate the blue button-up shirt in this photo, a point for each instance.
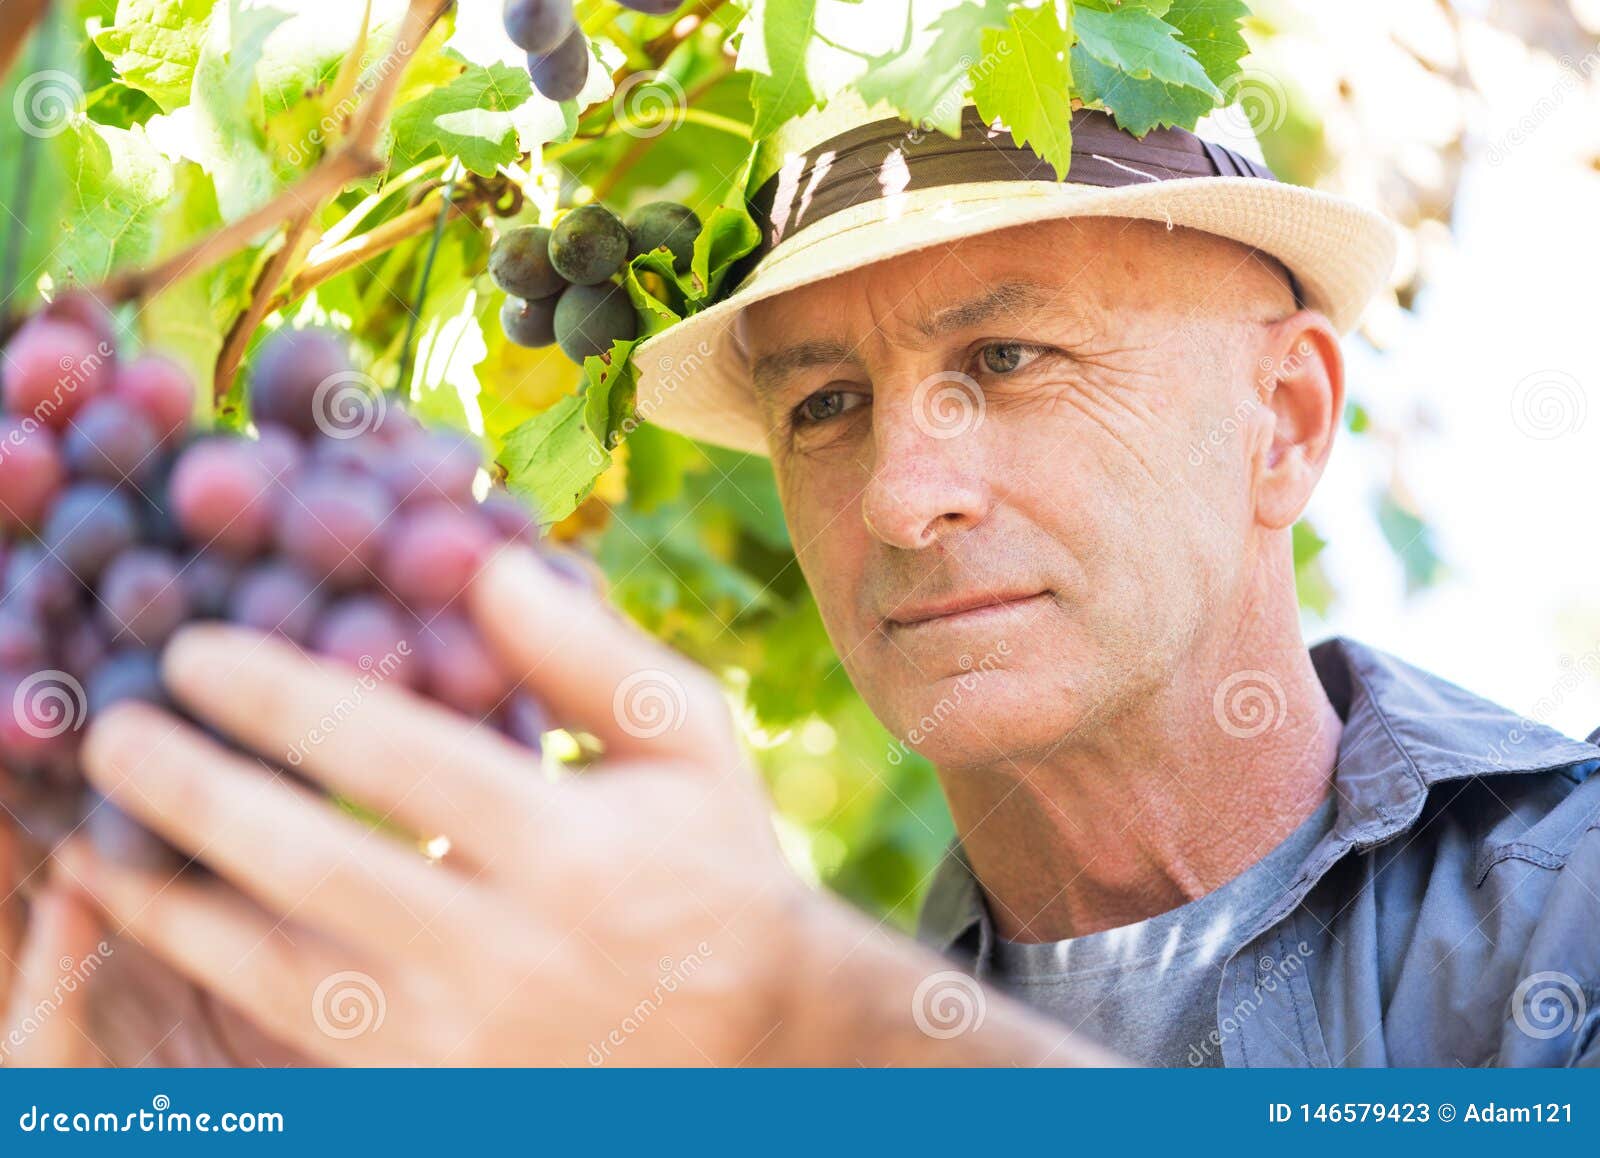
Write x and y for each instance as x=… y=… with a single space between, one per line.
x=1450 y=917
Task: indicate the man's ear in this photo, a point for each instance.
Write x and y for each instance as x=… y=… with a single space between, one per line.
x=1300 y=378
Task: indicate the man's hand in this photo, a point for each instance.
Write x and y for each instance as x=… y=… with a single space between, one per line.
x=639 y=913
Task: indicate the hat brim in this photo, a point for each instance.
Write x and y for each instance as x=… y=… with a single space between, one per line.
x=693 y=378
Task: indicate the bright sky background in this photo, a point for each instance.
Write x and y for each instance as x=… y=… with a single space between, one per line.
x=1509 y=476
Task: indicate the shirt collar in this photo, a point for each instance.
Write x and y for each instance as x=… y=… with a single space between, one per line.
x=1405 y=730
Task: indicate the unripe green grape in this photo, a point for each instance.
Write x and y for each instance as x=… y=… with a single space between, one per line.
x=588 y=245
x=588 y=318
x=664 y=223
x=531 y=324
x=519 y=263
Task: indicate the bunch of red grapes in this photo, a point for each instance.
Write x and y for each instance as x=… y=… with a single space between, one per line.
x=344 y=526
x=558 y=52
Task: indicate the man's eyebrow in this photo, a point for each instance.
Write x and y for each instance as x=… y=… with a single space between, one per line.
x=768 y=371
x=1008 y=298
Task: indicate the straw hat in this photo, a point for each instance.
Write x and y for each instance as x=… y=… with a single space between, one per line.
x=848 y=185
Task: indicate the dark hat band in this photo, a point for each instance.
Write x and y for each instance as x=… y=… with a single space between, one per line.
x=885 y=157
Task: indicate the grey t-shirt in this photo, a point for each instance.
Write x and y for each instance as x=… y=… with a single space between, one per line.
x=1149 y=990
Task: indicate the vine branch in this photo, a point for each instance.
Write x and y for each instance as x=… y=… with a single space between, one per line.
x=356 y=158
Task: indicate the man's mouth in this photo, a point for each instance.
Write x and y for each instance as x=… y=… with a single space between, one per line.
x=964 y=609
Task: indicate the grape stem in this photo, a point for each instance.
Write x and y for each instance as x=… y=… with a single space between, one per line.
x=20 y=17
x=359 y=156
x=415 y=313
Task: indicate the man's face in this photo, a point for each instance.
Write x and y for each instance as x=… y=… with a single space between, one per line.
x=1017 y=469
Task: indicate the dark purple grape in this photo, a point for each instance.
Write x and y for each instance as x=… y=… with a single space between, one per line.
x=223 y=496
x=31 y=473
x=371 y=634
x=142 y=598
x=664 y=223
x=559 y=74
x=51 y=369
x=589 y=318
x=128 y=675
x=207 y=581
x=589 y=244
x=289 y=369
x=90 y=525
x=84 y=647
x=111 y=441
x=460 y=670
x=160 y=390
x=531 y=324
x=43 y=710
x=22 y=640
x=279 y=451
x=330 y=524
x=524 y=721
x=38 y=583
x=432 y=553
x=652 y=7
x=276 y=597
x=519 y=263
x=537 y=25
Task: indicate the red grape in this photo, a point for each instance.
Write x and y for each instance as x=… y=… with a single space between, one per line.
x=371 y=634
x=330 y=525
x=223 y=496
x=52 y=368
x=31 y=472
x=276 y=597
x=90 y=524
x=142 y=599
x=159 y=389
x=461 y=671
x=289 y=368
x=110 y=440
x=433 y=552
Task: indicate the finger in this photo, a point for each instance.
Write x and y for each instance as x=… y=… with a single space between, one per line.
x=290 y=850
x=590 y=667
x=294 y=986
x=402 y=756
x=49 y=1012
x=12 y=911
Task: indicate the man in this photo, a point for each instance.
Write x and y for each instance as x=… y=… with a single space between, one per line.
x=1040 y=448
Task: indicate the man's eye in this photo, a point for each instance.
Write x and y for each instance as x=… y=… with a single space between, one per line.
x=823 y=405
x=1006 y=357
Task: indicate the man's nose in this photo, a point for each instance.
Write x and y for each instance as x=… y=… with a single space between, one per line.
x=928 y=476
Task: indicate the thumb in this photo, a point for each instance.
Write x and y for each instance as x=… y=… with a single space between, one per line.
x=47 y=1023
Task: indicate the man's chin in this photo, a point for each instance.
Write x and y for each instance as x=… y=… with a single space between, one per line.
x=978 y=718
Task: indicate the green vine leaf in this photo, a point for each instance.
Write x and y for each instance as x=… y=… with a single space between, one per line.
x=927 y=77
x=470 y=118
x=773 y=40
x=1141 y=46
x=155 y=44
x=1212 y=30
x=1028 y=89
